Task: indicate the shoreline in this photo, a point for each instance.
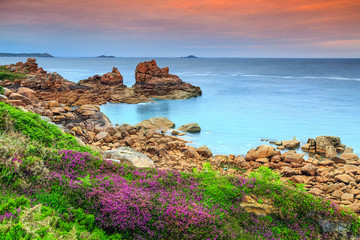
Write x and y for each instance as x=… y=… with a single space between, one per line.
x=326 y=174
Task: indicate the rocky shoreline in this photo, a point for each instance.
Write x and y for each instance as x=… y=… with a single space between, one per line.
x=331 y=171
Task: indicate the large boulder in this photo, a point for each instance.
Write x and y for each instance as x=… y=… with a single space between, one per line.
x=16 y=96
x=204 y=151
x=27 y=92
x=156 y=123
x=93 y=119
x=190 y=127
x=309 y=169
x=129 y=156
x=153 y=81
x=263 y=151
x=293 y=157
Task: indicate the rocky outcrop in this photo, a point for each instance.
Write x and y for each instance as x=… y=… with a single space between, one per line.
x=94 y=90
x=30 y=66
x=151 y=81
x=111 y=78
x=156 y=82
x=328 y=146
x=190 y=127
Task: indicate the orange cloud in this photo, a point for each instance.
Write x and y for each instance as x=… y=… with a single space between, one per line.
x=291 y=20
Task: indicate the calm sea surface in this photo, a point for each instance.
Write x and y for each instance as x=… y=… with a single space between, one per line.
x=244 y=100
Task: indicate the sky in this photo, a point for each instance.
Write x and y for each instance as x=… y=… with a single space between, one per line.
x=173 y=28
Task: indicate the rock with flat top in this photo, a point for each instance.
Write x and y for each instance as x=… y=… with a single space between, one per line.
x=157 y=123
x=347 y=197
x=129 y=156
x=349 y=156
x=344 y=178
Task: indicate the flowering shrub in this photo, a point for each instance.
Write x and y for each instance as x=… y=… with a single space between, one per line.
x=110 y=200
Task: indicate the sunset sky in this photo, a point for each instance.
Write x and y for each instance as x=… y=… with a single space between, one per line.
x=172 y=28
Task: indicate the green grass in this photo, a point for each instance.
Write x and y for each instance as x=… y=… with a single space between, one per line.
x=6 y=74
x=31 y=125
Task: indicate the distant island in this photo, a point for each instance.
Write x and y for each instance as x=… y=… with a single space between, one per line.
x=190 y=56
x=25 y=55
x=104 y=56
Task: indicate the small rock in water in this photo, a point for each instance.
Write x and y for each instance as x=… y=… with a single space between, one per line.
x=190 y=127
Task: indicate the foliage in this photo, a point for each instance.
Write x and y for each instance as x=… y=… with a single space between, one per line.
x=31 y=125
x=266 y=175
x=6 y=74
x=41 y=222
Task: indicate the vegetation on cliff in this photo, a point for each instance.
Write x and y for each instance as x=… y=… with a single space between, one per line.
x=6 y=74
x=52 y=187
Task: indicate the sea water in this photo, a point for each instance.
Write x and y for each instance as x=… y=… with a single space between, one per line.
x=243 y=101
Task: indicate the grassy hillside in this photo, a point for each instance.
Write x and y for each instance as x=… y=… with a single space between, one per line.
x=5 y=74
x=54 y=188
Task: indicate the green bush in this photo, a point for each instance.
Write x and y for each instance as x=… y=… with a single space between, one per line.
x=42 y=222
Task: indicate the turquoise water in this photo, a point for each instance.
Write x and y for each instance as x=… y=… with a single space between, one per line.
x=244 y=100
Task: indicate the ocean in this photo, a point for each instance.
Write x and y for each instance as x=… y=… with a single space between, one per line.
x=243 y=101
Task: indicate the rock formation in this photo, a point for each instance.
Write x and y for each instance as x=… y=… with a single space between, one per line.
x=156 y=82
x=111 y=78
x=325 y=145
